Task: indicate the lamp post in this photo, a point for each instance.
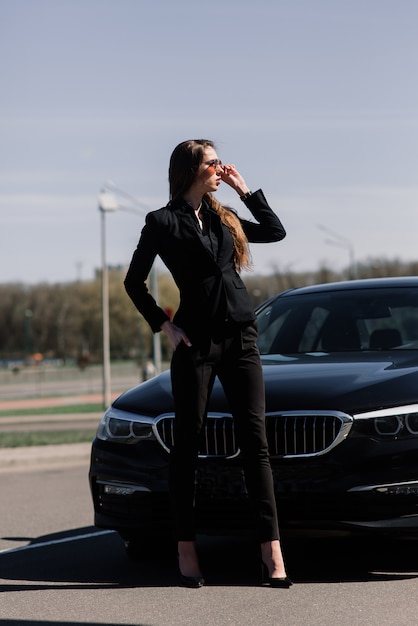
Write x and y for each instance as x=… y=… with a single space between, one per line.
x=28 y=332
x=156 y=337
x=107 y=203
x=343 y=242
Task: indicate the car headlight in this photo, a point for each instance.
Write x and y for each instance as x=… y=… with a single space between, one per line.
x=411 y=422
x=394 y=422
x=390 y=425
x=123 y=427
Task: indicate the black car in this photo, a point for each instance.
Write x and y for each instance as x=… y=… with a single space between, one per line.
x=340 y=364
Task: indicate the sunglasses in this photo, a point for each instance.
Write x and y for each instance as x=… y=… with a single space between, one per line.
x=214 y=163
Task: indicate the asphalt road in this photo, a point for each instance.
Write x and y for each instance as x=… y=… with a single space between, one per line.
x=56 y=568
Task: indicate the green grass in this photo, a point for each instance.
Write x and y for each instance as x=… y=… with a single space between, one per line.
x=54 y=410
x=45 y=438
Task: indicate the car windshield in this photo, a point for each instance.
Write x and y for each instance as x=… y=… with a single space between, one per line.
x=340 y=321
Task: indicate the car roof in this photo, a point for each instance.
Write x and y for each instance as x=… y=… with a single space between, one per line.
x=364 y=283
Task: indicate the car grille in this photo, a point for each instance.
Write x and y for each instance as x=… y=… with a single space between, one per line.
x=308 y=433
x=289 y=434
x=218 y=435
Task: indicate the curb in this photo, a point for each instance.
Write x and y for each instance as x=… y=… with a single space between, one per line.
x=72 y=418
x=32 y=458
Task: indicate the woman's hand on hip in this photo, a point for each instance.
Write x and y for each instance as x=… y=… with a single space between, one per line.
x=175 y=334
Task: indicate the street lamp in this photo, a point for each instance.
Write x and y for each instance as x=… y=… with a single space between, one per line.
x=343 y=242
x=28 y=332
x=107 y=204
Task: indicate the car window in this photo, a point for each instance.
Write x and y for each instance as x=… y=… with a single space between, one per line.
x=340 y=321
x=270 y=322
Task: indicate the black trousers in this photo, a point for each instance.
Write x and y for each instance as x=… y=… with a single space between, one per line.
x=235 y=359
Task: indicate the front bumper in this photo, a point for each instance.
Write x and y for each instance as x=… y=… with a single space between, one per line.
x=130 y=494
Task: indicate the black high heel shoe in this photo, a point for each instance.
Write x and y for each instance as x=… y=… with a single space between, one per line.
x=192 y=582
x=276 y=583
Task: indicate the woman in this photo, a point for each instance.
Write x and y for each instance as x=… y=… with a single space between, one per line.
x=213 y=333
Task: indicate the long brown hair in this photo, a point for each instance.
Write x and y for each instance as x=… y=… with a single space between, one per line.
x=184 y=164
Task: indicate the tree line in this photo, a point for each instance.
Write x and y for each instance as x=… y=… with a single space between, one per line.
x=64 y=321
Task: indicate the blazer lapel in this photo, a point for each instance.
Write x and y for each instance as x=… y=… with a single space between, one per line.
x=190 y=230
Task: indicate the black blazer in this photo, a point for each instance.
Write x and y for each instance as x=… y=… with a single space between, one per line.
x=211 y=290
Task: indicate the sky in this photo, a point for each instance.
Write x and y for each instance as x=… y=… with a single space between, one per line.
x=314 y=101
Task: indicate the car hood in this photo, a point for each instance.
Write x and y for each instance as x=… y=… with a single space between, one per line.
x=350 y=382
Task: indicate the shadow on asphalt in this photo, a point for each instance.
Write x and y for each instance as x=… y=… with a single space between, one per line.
x=88 y=558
